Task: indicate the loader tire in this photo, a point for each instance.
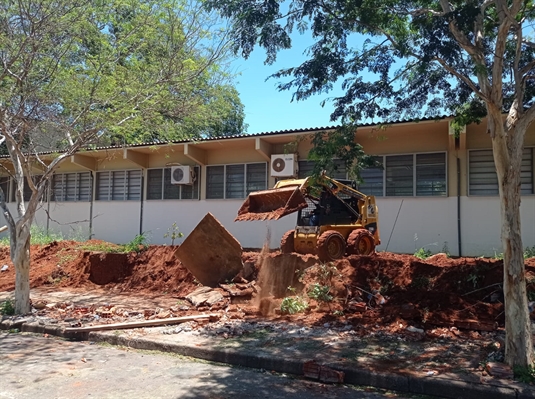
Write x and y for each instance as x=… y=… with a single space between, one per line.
x=360 y=242
x=331 y=246
x=287 y=242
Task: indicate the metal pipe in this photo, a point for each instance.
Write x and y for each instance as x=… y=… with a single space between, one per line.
x=459 y=245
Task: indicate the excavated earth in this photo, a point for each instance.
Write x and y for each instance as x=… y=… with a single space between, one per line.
x=379 y=290
x=433 y=299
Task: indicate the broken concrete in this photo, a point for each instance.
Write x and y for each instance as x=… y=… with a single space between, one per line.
x=211 y=253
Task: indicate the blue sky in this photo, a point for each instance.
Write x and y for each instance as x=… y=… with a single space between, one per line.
x=267 y=109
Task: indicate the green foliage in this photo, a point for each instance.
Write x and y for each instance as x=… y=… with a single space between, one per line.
x=174 y=233
x=42 y=236
x=105 y=247
x=474 y=278
x=115 y=72
x=293 y=304
x=138 y=244
x=524 y=374
x=423 y=253
x=7 y=308
x=320 y=293
x=529 y=252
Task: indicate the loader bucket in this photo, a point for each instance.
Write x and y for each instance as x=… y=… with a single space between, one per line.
x=271 y=204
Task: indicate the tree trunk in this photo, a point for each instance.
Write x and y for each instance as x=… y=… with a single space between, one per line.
x=518 y=339
x=20 y=255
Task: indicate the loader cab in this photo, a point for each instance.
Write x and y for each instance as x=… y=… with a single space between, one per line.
x=328 y=210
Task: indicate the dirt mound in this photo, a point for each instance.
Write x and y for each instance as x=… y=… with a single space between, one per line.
x=382 y=290
x=68 y=264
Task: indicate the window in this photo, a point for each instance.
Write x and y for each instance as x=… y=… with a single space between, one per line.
x=235 y=181
x=27 y=193
x=406 y=175
x=306 y=167
x=483 y=179
x=71 y=187
x=372 y=179
x=431 y=174
x=399 y=175
x=159 y=185
x=120 y=185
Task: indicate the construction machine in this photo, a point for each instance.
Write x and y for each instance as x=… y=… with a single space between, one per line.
x=333 y=218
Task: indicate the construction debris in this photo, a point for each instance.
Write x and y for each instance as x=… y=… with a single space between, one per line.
x=211 y=253
x=316 y=371
x=145 y=323
x=204 y=295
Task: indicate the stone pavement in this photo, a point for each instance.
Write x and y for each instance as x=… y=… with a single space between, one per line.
x=380 y=360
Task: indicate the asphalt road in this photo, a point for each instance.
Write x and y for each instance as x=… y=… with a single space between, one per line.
x=36 y=366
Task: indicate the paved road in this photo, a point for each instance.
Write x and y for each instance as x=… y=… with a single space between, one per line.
x=34 y=366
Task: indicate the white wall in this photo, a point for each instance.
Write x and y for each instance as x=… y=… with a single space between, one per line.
x=70 y=218
x=158 y=216
x=116 y=221
x=429 y=223
x=481 y=225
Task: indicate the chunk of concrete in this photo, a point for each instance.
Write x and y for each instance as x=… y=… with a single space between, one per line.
x=211 y=253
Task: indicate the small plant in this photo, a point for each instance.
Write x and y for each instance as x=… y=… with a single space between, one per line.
x=338 y=313
x=138 y=244
x=42 y=236
x=293 y=304
x=320 y=293
x=474 y=279
x=529 y=252
x=423 y=253
x=7 y=308
x=173 y=233
x=446 y=249
x=498 y=256
x=524 y=374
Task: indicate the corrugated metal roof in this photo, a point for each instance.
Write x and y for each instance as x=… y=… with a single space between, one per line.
x=247 y=135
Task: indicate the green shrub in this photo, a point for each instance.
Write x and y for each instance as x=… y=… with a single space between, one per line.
x=529 y=252
x=138 y=244
x=524 y=374
x=423 y=253
x=7 y=308
x=320 y=293
x=293 y=304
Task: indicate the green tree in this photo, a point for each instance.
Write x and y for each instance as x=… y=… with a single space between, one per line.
x=407 y=59
x=76 y=72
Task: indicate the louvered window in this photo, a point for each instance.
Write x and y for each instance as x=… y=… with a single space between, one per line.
x=159 y=185
x=235 y=181
x=119 y=185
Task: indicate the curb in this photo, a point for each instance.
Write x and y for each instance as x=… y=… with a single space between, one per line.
x=435 y=386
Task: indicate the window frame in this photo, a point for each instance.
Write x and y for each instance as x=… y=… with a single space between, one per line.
x=77 y=187
x=244 y=183
x=180 y=187
x=470 y=187
x=126 y=186
x=415 y=180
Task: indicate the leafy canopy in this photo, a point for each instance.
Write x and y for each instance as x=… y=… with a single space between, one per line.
x=121 y=70
x=396 y=59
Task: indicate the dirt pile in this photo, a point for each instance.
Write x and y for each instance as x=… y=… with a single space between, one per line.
x=387 y=289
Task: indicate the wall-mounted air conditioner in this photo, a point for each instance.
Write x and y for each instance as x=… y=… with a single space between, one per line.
x=284 y=165
x=182 y=175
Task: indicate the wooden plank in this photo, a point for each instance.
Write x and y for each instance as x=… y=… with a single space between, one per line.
x=144 y=323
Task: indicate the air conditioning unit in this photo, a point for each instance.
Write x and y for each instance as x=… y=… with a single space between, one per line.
x=182 y=175
x=284 y=165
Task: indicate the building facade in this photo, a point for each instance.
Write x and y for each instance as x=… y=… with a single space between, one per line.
x=434 y=190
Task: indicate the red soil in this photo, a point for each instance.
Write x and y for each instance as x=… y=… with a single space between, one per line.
x=439 y=291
